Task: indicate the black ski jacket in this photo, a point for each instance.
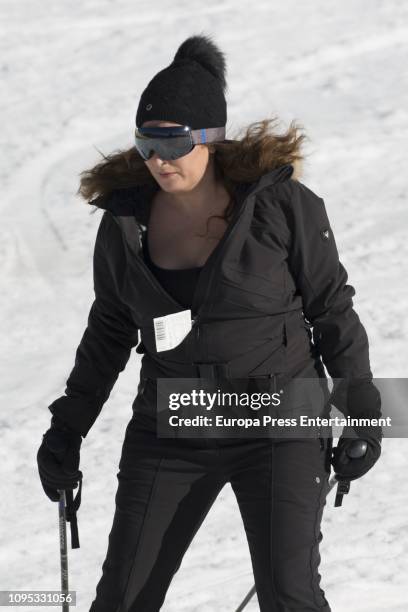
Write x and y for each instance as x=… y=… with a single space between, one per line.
x=271 y=300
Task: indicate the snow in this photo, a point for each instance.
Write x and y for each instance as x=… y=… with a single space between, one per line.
x=73 y=75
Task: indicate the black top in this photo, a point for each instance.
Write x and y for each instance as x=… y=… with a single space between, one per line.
x=179 y=283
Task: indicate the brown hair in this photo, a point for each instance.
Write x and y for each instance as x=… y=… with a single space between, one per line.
x=240 y=160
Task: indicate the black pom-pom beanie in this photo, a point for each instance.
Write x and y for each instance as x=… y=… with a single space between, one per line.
x=191 y=90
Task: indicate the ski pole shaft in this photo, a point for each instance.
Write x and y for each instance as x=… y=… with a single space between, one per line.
x=63 y=549
x=246 y=599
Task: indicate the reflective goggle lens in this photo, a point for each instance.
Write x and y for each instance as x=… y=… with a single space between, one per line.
x=167 y=142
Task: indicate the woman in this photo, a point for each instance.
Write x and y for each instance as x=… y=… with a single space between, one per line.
x=266 y=301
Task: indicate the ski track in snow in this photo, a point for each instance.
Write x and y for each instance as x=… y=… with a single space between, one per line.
x=73 y=77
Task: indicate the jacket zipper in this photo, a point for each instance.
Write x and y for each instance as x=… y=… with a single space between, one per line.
x=215 y=255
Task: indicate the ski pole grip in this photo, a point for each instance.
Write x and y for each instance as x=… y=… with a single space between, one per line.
x=357 y=449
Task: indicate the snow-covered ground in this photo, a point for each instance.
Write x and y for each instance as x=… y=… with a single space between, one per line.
x=72 y=76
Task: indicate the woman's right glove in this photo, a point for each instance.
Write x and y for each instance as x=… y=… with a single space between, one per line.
x=58 y=459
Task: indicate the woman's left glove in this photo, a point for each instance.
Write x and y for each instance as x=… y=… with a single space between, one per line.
x=363 y=401
x=58 y=459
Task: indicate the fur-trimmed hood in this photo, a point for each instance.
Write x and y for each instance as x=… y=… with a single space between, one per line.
x=135 y=201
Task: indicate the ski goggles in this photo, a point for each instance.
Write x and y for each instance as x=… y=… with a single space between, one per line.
x=174 y=141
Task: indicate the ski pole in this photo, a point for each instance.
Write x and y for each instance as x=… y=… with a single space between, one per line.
x=63 y=548
x=246 y=599
x=357 y=449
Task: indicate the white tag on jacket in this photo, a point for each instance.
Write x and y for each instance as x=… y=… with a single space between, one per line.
x=171 y=329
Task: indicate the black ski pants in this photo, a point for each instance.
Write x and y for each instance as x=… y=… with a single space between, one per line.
x=166 y=488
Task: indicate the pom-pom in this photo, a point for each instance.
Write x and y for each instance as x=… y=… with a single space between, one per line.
x=204 y=51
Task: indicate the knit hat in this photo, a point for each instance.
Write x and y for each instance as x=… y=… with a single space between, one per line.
x=189 y=91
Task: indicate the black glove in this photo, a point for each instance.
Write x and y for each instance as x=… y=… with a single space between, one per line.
x=58 y=459
x=363 y=401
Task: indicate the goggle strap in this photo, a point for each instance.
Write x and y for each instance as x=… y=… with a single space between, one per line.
x=208 y=135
